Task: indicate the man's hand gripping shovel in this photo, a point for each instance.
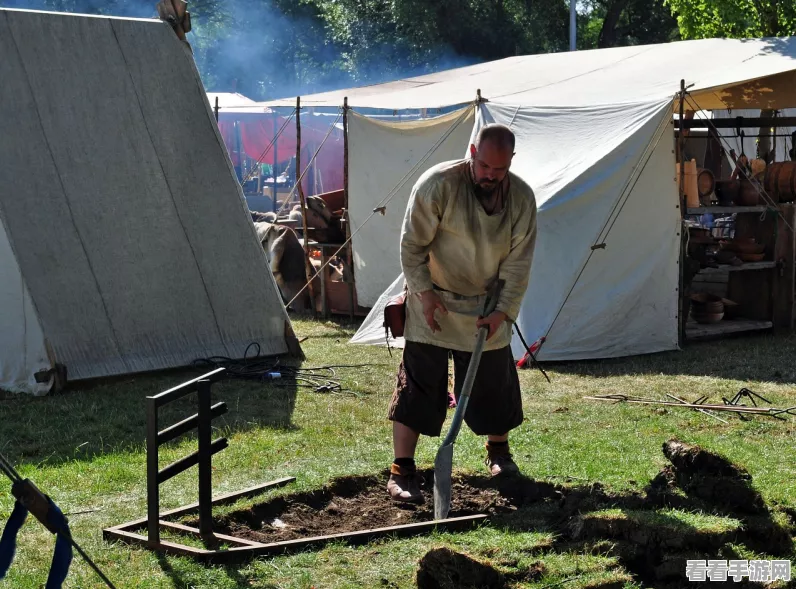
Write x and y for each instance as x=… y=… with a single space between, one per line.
x=443 y=465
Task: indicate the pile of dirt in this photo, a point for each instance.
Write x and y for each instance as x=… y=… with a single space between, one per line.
x=710 y=477
x=442 y=568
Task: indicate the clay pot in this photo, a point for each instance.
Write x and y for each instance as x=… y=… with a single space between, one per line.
x=727 y=191
x=745 y=248
x=706 y=317
x=748 y=195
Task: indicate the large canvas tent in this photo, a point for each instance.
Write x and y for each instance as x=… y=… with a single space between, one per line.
x=595 y=140
x=125 y=243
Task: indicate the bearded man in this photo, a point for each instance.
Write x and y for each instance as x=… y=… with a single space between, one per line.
x=468 y=223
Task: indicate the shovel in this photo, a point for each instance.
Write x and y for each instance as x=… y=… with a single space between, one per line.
x=443 y=465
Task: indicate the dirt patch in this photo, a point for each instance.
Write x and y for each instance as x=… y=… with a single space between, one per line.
x=352 y=504
x=442 y=568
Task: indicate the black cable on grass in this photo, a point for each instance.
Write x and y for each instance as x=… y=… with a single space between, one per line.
x=321 y=379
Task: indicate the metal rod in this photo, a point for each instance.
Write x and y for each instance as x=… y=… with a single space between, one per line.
x=9 y=470
x=87 y=559
x=700 y=410
x=205 y=457
x=732 y=408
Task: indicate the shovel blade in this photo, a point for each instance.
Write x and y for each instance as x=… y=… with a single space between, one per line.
x=443 y=466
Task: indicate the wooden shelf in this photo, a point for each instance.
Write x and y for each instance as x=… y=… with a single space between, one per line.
x=724 y=268
x=694 y=330
x=726 y=210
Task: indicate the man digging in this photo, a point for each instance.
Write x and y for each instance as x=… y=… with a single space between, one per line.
x=468 y=223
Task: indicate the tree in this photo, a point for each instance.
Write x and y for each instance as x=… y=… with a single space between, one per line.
x=700 y=19
x=612 y=23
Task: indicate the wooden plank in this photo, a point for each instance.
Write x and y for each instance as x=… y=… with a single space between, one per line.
x=186 y=425
x=724 y=269
x=197 y=532
x=246 y=552
x=696 y=330
x=220 y=500
x=185 y=388
x=360 y=537
x=192 y=459
x=167 y=547
x=726 y=210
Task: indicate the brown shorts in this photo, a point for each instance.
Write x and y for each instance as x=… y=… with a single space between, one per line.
x=420 y=400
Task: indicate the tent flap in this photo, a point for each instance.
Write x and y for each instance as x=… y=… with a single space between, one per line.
x=384 y=154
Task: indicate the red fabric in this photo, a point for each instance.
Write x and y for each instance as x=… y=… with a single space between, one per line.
x=256 y=135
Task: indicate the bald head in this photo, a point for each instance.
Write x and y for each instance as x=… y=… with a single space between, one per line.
x=491 y=156
x=500 y=136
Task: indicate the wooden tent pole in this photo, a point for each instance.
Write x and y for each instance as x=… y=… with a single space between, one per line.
x=307 y=262
x=682 y=319
x=350 y=246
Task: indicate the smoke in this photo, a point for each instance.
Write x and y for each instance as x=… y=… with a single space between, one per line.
x=274 y=48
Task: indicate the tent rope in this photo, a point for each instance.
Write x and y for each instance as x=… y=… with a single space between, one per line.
x=599 y=243
x=390 y=195
x=760 y=189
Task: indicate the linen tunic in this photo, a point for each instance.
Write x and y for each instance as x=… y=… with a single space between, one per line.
x=450 y=243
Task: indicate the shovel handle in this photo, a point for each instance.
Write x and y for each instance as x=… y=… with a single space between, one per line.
x=472 y=368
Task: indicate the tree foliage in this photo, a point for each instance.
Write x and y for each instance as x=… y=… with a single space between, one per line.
x=277 y=48
x=699 y=19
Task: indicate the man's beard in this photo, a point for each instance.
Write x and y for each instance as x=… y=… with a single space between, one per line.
x=483 y=192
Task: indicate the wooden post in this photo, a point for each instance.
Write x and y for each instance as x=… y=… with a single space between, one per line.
x=681 y=315
x=276 y=161
x=205 y=456
x=785 y=254
x=152 y=488
x=347 y=213
x=307 y=263
x=240 y=155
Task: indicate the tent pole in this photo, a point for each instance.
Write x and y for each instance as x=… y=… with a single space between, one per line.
x=276 y=160
x=307 y=262
x=682 y=201
x=350 y=246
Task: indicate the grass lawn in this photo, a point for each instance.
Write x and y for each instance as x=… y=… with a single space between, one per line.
x=86 y=450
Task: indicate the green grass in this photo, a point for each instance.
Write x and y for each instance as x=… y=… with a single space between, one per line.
x=86 y=449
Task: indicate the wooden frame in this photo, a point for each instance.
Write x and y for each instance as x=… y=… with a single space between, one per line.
x=245 y=549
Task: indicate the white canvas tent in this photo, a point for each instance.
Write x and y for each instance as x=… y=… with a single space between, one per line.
x=125 y=243
x=596 y=143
